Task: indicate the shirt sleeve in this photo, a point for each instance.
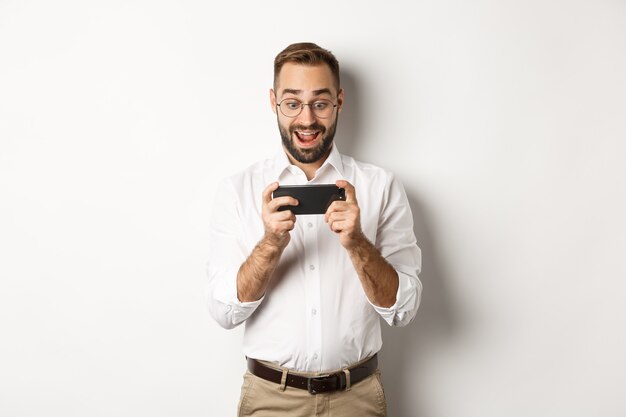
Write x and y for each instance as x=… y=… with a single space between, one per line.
x=396 y=242
x=227 y=252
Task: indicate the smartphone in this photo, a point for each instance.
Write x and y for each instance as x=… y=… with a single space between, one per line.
x=313 y=199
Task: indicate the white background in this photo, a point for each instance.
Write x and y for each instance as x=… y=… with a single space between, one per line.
x=505 y=120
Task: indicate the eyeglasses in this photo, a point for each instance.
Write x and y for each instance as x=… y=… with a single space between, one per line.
x=291 y=107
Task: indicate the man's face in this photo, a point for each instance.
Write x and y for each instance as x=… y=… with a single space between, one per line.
x=306 y=137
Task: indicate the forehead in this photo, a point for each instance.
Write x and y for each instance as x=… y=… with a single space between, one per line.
x=306 y=78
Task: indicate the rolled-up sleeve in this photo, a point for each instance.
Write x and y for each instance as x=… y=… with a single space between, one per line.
x=226 y=254
x=396 y=242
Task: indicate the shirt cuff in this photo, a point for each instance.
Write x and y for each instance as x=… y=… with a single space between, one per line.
x=228 y=310
x=407 y=301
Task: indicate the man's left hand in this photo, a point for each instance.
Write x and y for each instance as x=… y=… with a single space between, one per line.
x=344 y=217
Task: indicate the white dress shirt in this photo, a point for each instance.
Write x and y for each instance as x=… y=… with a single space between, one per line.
x=314 y=316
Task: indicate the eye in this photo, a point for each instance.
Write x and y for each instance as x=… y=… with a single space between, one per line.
x=321 y=105
x=292 y=104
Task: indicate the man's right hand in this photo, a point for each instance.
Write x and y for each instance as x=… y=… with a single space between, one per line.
x=277 y=224
x=256 y=272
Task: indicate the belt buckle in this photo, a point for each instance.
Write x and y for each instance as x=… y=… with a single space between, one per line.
x=310 y=386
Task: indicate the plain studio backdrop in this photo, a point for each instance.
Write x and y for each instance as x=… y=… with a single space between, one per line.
x=505 y=120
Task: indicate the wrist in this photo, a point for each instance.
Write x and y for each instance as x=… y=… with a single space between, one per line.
x=356 y=242
x=273 y=245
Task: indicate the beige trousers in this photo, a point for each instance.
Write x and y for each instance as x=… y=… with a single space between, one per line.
x=261 y=398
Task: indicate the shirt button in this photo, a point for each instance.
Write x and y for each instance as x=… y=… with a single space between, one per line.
x=310 y=224
x=315 y=356
x=314 y=311
x=228 y=308
x=311 y=267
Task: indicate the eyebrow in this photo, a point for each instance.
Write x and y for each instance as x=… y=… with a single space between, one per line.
x=315 y=92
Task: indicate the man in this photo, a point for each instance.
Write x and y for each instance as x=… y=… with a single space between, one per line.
x=312 y=288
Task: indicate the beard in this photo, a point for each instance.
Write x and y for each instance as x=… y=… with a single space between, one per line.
x=307 y=156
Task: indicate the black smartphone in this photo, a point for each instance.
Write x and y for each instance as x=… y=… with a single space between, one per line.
x=312 y=199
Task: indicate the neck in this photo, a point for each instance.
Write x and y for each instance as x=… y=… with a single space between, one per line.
x=310 y=168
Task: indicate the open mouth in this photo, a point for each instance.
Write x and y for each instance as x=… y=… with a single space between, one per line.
x=307 y=138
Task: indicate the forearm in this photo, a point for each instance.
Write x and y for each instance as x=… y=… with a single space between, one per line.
x=255 y=273
x=378 y=278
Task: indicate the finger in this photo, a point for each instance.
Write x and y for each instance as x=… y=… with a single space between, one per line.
x=281 y=227
x=282 y=216
x=290 y=224
x=338 y=207
x=335 y=206
x=284 y=226
x=267 y=193
x=329 y=211
x=336 y=216
x=282 y=201
x=349 y=188
x=338 y=226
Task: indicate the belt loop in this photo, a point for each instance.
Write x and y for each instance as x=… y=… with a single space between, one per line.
x=283 y=380
x=347 y=372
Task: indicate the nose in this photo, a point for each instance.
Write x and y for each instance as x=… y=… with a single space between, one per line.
x=307 y=116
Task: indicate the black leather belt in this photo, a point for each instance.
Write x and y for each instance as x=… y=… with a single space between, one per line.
x=323 y=383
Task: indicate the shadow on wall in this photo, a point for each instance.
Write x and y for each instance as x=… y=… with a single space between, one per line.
x=404 y=349
x=350 y=124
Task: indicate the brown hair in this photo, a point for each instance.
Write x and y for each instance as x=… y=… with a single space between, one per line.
x=306 y=53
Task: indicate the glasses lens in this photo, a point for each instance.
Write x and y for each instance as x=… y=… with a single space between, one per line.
x=290 y=108
x=320 y=108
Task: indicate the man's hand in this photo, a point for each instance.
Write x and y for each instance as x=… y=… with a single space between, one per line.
x=256 y=272
x=277 y=224
x=344 y=217
x=378 y=278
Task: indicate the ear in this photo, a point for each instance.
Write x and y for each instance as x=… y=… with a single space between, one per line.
x=273 y=99
x=340 y=99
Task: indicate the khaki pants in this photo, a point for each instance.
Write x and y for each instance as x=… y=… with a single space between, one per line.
x=261 y=398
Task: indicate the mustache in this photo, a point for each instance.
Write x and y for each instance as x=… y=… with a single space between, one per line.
x=314 y=126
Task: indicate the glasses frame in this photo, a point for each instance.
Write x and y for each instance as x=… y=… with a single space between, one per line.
x=306 y=104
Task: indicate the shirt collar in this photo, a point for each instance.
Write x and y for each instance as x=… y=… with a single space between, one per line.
x=334 y=160
x=282 y=163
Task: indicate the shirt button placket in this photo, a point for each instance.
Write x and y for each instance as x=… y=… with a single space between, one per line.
x=311 y=260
